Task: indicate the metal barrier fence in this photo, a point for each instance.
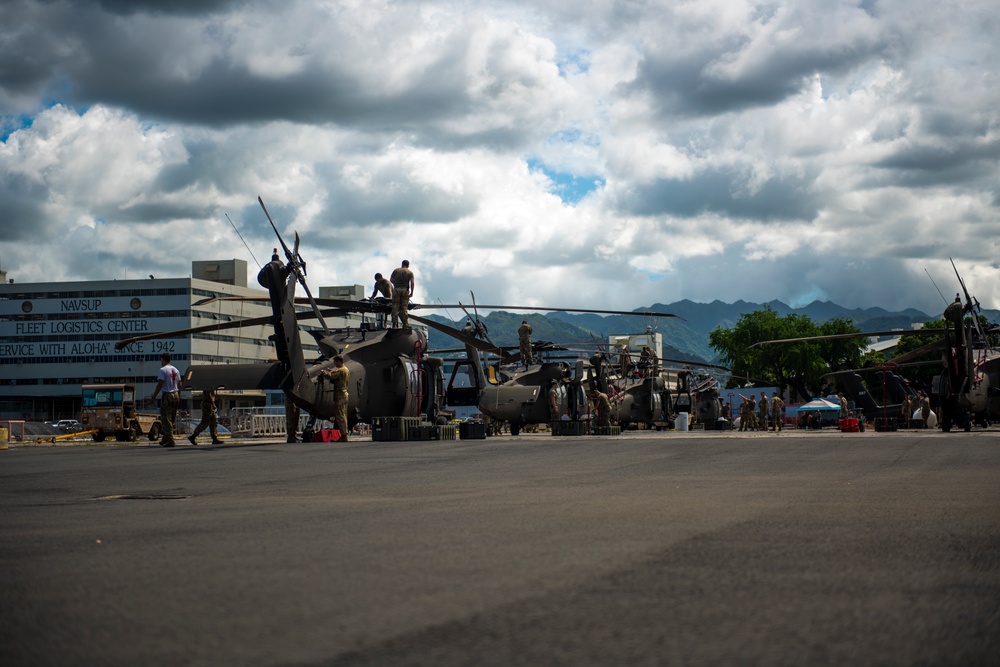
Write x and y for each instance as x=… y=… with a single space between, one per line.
x=270 y=422
x=260 y=422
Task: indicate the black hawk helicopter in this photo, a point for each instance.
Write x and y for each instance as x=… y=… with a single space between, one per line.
x=391 y=374
x=639 y=393
x=966 y=392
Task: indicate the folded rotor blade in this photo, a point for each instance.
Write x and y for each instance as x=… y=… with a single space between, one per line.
x=221 y=326
x=860 y=334
x=480 y=345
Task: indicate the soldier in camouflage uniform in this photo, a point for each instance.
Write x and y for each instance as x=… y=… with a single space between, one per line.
x=339 y=376
x=555 y=412
x=751 y=413
x=763 y=410
x=402 y=290
x=524 y=343
x=209 y=419
x=602 y=408
x=777 y=407
x=291 y=420
x=383 y=287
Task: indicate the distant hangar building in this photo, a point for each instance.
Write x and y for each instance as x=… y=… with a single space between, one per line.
x=56 y=337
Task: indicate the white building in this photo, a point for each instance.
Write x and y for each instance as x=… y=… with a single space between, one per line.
x=55 y=337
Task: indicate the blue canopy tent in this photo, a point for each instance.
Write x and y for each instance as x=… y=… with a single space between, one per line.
x=818 y=404
x=829 y=412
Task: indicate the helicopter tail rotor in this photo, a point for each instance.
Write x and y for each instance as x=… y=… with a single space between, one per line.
x=295 y=265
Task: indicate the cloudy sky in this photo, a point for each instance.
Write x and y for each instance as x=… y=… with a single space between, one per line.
x=596 y=153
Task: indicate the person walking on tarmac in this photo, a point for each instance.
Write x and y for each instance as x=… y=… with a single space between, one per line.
x=168 y=379
x=209 y=418
x=402 y=291
x=292 y=415
x=339 y=376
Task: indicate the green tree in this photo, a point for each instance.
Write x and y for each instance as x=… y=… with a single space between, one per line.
x=798 y=365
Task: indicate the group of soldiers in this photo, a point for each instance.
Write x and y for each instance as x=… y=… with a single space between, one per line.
x=754 y=414
x=920 y=402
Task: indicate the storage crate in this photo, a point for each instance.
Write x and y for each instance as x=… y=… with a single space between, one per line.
x=385 y=429
x=885 y=424
x=606 y=430
x=472 y=430
x=447 y=432
x=849 y=425
x=569 y=428
x=422 y=433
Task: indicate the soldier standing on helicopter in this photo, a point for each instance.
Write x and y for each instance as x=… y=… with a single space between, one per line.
x=402 y=291
x=524 y=343
x=383 y=287
x=339 y=376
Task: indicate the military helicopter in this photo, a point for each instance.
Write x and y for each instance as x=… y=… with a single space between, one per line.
x=967 y=391
x=639 y=393
x=391 y=374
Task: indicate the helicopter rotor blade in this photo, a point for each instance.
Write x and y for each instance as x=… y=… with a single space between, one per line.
x=220 y=326
x=700 y=364
x=639 y=313
x=458 y=335
x=847 y=336
x=971 y=304
x=284 y=246
x=876 y=369
x=296 y=265
x=475 y=308
x=920 y=351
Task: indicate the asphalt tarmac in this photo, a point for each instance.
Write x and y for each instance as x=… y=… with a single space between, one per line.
x=645 y=549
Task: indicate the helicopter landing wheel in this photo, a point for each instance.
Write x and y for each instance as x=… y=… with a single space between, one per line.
x=515 y=428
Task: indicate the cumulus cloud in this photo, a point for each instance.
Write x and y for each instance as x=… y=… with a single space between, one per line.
x=601 y=153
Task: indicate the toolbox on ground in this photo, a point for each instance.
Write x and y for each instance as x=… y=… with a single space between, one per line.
x=849 y=425
x=885 y=424
x=472 y=430
x=422 y=432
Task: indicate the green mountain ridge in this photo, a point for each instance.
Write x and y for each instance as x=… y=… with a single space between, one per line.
x=685 y=336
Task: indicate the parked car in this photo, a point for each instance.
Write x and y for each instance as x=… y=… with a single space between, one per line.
x=68 y=425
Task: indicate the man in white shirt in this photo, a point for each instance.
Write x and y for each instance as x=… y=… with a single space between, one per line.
x=168 y=379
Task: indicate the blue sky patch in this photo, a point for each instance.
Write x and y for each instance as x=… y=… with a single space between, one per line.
x=568 y=187
x=11 y=124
